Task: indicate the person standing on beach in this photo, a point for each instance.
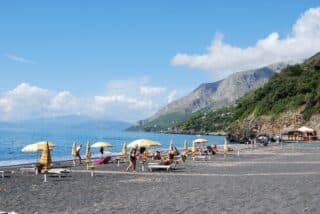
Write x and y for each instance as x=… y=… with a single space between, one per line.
x=78 y=152
x=133 y=159
x=101 y=151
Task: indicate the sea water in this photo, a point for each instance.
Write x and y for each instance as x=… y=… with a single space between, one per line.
x=12 y=141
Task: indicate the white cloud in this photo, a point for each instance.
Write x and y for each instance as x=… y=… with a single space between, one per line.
x=24 y=100
x=20 y=59
x=120 y=102
x=222 y=59
x=149 y=90
x=65 y=103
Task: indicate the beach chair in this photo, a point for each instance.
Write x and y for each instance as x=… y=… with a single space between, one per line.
x=59 y=171
x=201 y=157
x=153 y=166
x=28 y=170
x=4 y=172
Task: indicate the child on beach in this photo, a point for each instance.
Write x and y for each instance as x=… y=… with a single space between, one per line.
x=133 y=159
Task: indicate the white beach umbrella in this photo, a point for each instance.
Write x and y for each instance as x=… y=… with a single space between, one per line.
x=36 y=147
x=200 y=141
x=143 y=143
x=101 y=144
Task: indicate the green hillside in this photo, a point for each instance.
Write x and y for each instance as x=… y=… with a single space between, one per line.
x=213 y=121
x=295 y=86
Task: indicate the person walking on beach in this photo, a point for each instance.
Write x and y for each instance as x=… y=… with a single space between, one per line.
x=78 y=152
x=133 y=159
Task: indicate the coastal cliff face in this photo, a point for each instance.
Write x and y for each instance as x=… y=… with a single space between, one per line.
x=272 y=126
x=208 y=97
x=289 y=100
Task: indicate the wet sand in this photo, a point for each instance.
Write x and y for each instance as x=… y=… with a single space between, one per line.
x=264 y=180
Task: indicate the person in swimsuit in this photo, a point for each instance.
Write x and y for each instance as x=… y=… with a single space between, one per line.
x=133 y=159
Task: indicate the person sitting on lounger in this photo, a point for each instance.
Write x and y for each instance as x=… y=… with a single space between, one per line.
x=157 y=156
x=170 y=159
x=103 y=160
x=214 y=149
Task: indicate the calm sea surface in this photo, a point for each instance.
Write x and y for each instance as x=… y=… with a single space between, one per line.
x=11 y=142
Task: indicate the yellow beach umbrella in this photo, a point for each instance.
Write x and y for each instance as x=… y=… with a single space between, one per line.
x=124 y=149
x=101 y=144
x=88 y=152
x=74 y=150
x=193 y=149
x=225 y=146
x=45 y=158
x=36 y=147
x=185 y=146
x=200 y=141
x=143 y=143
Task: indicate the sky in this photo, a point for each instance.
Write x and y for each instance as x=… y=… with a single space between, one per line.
x=124 y=60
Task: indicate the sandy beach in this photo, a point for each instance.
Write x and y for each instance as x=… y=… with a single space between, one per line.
x=264 y=180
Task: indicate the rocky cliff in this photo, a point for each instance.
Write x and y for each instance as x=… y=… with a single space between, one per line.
x=209 y=96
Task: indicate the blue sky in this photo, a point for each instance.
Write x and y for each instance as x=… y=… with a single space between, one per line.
x=85 y=48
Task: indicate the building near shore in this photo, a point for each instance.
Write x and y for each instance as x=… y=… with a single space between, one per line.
x=301 y=134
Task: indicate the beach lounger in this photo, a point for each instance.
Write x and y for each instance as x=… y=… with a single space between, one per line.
x=59 y=171
x=29 y=169
x=3 y=173
x=201 y=157
x=153 y=166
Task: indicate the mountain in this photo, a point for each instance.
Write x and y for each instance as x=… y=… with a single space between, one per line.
x=289 y=99
x=208 y=96
x=64 y=123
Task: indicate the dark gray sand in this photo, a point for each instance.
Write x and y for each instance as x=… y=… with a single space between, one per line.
x=265 y=180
